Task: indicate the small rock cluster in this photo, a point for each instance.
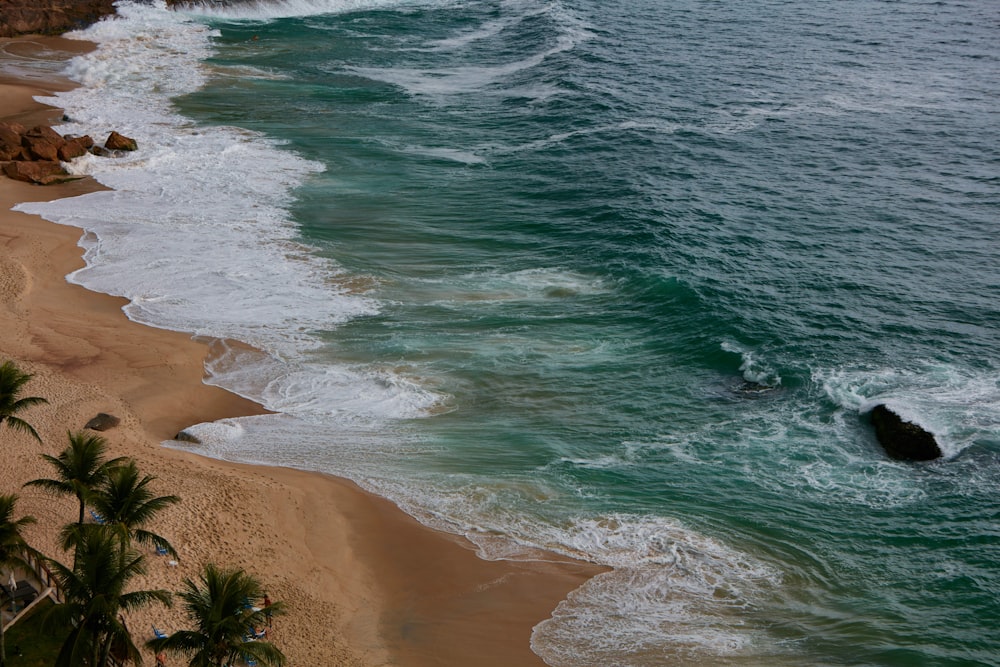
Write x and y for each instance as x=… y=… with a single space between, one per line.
x=36 y=155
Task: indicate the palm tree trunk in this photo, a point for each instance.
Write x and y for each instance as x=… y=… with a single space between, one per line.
x=105 y=652
x=96 y=653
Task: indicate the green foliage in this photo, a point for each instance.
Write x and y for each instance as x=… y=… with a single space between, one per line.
x=96 y=593
x=219 y=607
x=12 y=380
x=12 y=543
x=29 y=644
x=127 y=504
x=80 y=468
x=220 y=604
x=104 y=562
x=13 y=546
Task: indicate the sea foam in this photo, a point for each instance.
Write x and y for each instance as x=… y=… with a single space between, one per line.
x=959 y=406
x=265 y=10
x=197 y=220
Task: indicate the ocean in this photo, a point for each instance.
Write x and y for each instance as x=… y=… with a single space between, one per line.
x=614 y=280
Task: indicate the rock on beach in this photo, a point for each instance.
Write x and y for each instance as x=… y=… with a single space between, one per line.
x=35 y=155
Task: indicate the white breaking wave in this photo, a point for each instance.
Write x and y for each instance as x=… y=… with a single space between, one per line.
x=196 y=232
x=445 y=81
x=524 y=285
x=672 y=591
x=957 y=405
x=266 y=10
x=753 y=368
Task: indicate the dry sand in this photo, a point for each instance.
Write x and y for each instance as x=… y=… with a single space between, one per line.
x=364 y=583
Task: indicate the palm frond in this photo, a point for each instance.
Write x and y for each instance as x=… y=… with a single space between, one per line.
x=12 y=380
x=140 y=599
x=264 y=652
x=19 y=424
x=27 y=402
x=150 y=539
x=182 y=641
x=53 y=486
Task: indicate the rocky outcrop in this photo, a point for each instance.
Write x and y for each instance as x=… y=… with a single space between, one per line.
x=35 y=155
x=10 y=141
x=903 y=440
x=42 y=143
x=75 y=147
x=50 y=17
x=53 y=17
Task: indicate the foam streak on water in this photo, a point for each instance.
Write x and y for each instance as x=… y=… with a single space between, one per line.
x=262 y=10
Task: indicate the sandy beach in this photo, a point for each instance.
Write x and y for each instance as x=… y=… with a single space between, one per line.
x=364 y=583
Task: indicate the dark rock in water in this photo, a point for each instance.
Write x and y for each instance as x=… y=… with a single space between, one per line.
x=184 y=436
x=748 y=387
x=119 y=142
x=102 y=422
x=903 y=440
x=750 y=390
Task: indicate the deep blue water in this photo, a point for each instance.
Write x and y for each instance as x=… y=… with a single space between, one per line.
x=621 y=280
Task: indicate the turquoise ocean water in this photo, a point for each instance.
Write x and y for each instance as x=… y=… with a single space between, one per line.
x=618 y=280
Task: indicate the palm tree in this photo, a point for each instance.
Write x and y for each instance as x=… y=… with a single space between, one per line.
x=96 y=596
x=220 y=604
x=80 y=468
x=11 y=382
x=127 y=504
x=12 y=542
x=12 y=546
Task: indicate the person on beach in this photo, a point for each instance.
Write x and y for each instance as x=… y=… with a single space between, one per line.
x=161 y=659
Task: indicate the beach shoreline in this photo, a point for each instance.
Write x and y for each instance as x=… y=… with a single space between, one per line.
x=364 y=583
